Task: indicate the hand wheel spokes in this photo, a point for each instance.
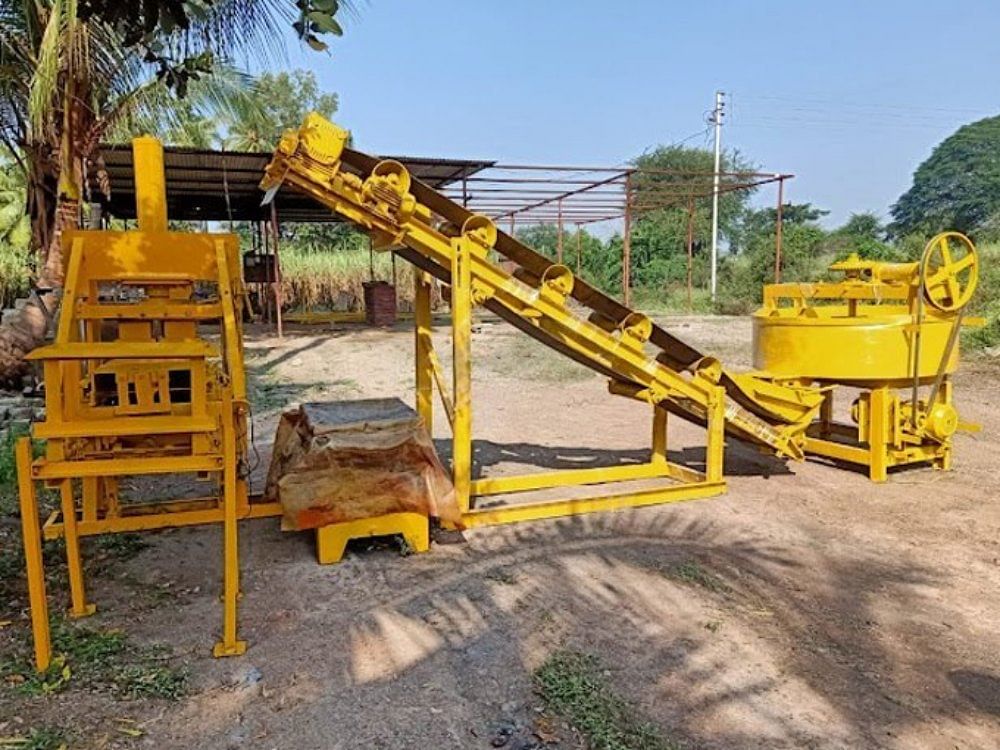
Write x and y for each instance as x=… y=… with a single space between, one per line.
x=950 y=271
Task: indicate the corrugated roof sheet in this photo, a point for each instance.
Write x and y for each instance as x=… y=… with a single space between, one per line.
x=220 y=185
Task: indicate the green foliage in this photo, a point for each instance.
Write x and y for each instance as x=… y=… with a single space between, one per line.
x=692 y=572
x=572 y=685
x=43 y=739
x=957 y=187
x=270 y=104
x=282 y=101
x=8 y=468
x=185 y=39
x=742 y=277
x=600 y=264
x=98 y=661
x=986 y=301
x=678 y=179
x=332 y=280
x=15 y=234
x=864 y=234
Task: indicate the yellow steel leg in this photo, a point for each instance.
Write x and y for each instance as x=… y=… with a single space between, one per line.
x=31 y=534
x=826 y=414
x=715 y=448
x=229 y=645
x=659 y=452
x=461 y=332
x=945 y=395
x=77 y=591
x=91 y=494
x=878 y=434
x=423 y=344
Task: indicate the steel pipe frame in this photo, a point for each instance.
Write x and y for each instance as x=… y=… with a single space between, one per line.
x=149 y=256
x=686 y=484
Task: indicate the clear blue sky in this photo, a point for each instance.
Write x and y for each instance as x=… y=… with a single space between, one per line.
x=850 y=96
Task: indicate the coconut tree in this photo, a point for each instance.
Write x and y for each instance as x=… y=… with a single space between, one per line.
x=66 y=84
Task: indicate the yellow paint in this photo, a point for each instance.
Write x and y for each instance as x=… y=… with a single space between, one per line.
x=382 y=204
x=32 y=541
x=461 y=333
x=566 y=478
x=331 y=540
x=536 y=511
x=423 y=348
x=132 y=387
x=887 y=328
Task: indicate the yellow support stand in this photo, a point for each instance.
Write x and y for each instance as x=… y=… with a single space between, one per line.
x=331 y=540
x=134 y=387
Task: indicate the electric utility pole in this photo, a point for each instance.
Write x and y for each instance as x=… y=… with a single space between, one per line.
x=716 y=119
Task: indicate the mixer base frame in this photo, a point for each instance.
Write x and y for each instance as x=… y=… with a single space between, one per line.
x=882 y=439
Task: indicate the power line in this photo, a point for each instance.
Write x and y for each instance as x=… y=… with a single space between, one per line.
x=865 y=105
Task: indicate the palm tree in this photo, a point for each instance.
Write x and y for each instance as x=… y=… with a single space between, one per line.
x=66 y=85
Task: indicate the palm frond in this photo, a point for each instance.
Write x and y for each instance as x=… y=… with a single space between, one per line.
x=45 y=80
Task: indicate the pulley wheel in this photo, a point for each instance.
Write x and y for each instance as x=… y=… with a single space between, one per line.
x=949 y=270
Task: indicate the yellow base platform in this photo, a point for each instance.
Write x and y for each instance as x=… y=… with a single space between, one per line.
x=331 y=541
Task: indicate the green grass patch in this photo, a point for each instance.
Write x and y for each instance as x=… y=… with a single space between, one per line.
x=986 y=301
x=98 y=661
x=672 y=300
x=37 y=739
x=573 y=685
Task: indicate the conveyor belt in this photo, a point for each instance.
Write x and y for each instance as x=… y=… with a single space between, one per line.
x=769 y=415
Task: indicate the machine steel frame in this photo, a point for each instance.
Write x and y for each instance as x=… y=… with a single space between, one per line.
x=133 y=390
x=381 y=203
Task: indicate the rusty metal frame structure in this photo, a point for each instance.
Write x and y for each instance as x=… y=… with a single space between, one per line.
x=516 y=195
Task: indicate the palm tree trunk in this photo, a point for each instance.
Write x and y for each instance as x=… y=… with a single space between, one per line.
x=23 y=328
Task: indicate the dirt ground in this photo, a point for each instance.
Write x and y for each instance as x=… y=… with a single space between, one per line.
x=828 y=612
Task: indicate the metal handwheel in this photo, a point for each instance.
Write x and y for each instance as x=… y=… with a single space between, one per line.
x=949 y=271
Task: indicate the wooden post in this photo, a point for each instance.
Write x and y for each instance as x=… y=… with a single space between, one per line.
x=277 y=270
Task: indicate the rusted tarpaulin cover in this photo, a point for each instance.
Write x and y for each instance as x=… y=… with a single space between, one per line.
x=344 y=460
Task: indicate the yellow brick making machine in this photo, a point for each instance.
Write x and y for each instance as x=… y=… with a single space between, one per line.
x=145 y=377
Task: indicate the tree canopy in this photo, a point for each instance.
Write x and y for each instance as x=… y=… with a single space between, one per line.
x=957 y=187
x=671 y=184
x=185 y=39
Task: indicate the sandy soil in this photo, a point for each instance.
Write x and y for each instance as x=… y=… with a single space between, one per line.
x=848 y=615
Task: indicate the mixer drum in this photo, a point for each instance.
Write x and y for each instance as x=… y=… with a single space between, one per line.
x=872 y=347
